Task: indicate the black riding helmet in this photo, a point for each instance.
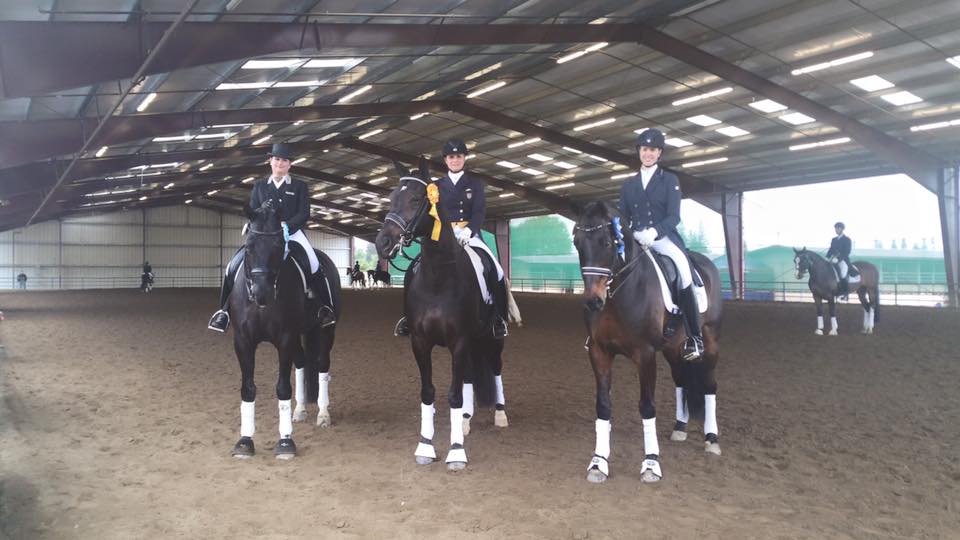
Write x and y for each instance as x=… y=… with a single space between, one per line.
x=454 y=146
x=839 y=224
x=651 y=138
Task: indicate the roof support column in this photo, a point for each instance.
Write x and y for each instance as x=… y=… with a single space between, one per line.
x=501 y=231
x=948 y=191
x=732 y=213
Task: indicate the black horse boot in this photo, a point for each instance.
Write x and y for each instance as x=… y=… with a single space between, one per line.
x=500 y=309
x=401 y=329
x=693 y=347
x=221 y=319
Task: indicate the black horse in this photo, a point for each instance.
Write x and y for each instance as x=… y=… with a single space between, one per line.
x=625 y=314
x=444 y=306
x=268 y=303
x=357 y=278
x=378 y=276
x=824 y=284
x=146 y=281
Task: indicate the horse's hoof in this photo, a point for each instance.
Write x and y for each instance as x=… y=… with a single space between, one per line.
x=833 y=333
x=323 y=419
x=870 y=331
x=466 y=425
x=711 y=448
x=456 y=458
x=594 y=476
x=423 y=460
x=818 y=332
x=500 y=419
x=299 y=414
x=285 y=449
x=678 y=436
x=649 y=477
x=244 y=448
x=455 y=466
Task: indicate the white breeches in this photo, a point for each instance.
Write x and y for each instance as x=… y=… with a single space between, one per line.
x=666 y=247
x=842 y=266
x=301 y=239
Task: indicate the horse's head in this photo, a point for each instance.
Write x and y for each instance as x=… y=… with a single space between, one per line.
x=408 y=206
x=262 y=252
x=801 y=261
x=599 y=240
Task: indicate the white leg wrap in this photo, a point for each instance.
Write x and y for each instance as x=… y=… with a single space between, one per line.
x=456 y=426
x=833 y=323
x=710 y=414
x=602 y=447
x=819 y=322
x=299 y=392
x=286 y=418
x=468 y=399
x=499 y=383
x=426 y=422
x=866 y=318
x=247 y=426
x=872 y=313
x=323 y=396
x=650 y=444
x=683 y=415
x=425 y=450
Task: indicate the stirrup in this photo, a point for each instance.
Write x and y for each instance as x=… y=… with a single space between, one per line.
x=326 y=317
x=401 y=329
x=219 y=322
x=500 y=328
x=692 y=348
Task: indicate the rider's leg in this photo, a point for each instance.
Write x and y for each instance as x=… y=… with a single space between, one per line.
x=693 y=347
x=221 y=319
x=402 y=329
x=317 y=280
x=843 y=286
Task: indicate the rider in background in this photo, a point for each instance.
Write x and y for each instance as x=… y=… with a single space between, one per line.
x=839 y=254
x=650 y=206
x=356 y=267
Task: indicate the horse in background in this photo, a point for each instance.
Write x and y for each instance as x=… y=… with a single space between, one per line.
x=824 y=283
x=269 y=304
x=146 y=282
x=357 y=279
x=378 y=276
x=444 y=306
x=625 y=313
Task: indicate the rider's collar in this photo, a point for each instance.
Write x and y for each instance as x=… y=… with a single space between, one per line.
x=455 y=176
x=282 y=180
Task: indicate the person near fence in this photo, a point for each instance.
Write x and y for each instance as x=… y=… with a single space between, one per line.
x=650 y=207
x=839 y=254
x=291 y=198
x=22 y=280
x=464 y=204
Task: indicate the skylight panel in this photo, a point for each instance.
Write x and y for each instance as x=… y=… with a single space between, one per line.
x=332 y=62
x=597 y=123
x=677 y=142
x=767 y=106
x=485 y=89
x=902 y=98
x=552 y=187
x=354 y=94
x=540 y=157
x=732 y=131
x=704 y=162
x=272 y=64
x=703 y=120
x=872 y=83
x=797 y=118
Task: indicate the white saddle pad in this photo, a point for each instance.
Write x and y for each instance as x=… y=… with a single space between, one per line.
x=700 y=293
x=476 y=243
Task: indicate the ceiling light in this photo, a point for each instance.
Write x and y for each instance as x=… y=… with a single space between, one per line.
x=767 y=106
x=422 y=97
x=560 y=186
x=378 y=180
x=505 y=195
x=603 y=122
x=571 y=56
x=677 y=142
x=224 y=135
x=533 y=172
x=248 y=179
x=641 y=130
x=168 y=186
x=165 y=165
x=732 y=131
x=703 y=120
x=272 y=64
x=370 y=133
x=818 y=144
x=621 y=176
x=540 y=157
x=872 y=83
x=354 y=94
x=598 y=158
x=262 y=139
x=486 y=89
x=955 y=61
x=596 y=46
x=212 y=192
x=230 y=125
x=902 y=98
x=419 y=116
x=243 y=86
x=936 y=125
x=143 y=198
x=146 y=102
x=564 y=165
x=298 y=84
x=298 y=160
x=207 y=166
x=366 y=121
x=797 y=118
x=692 y=99
x=483 y=71
x=188 y=201
x=521 y=143
x=704 y=162
x=572 y=150
x=832 y=63
x=507 y=164
x=101 y=151
x=329 y=136
x=183 y=138
x=331 y=62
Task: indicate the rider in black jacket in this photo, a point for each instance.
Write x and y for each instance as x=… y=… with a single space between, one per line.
x=839 y=254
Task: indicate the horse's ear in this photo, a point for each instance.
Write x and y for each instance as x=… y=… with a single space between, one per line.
x=796 y=251
x=424 y=169
x=401 y=170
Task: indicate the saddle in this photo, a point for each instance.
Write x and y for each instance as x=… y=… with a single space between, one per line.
x=670 y=283
x=853 y=273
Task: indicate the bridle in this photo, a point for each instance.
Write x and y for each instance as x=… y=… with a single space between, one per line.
x=407 y=228
x=803 y=264
x=608 y=271
x=258 y=270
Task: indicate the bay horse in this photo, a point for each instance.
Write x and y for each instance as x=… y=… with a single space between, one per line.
x=444 y=307
x=378 y=276
x=625 y=314
x=357 y=279
x=268 y=304
x=824 y=283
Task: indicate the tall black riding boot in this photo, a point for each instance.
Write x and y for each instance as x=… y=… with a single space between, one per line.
x=221 y=319
x=500 y=309
x=325 y=315
x=693 y=347
x=843 y=287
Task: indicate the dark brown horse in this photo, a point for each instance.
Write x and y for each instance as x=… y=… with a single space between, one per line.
x=625 y=314
x=444 y=306
x=824 y=282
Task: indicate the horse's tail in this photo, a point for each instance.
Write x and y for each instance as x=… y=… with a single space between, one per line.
x=694 y=388
x=483 y=359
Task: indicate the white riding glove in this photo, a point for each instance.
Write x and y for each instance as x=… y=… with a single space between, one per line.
x=646 y=237
x=463 y=235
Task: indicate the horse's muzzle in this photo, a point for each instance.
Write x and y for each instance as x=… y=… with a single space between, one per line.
x=594 y=303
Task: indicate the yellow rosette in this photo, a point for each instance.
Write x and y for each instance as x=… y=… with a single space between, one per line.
x=433 y=195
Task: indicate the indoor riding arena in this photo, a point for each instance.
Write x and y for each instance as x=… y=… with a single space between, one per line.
x=166 y=167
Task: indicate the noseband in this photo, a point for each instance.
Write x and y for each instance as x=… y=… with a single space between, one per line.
x=407 y=228
x=603 y=271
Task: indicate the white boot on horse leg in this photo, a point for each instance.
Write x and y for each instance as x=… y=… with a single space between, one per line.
x=457 y=456
x=650 y=471
x=244 y=449
x=680 y=428
x=300 y=411
x=599 y=468
x=323 y=400
x=467 y=407
x=425 y=454
x=285 y=448
x=711 y=432
x=819 y=330
x=500 y=415
x=833 y=326
x=867 y=321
